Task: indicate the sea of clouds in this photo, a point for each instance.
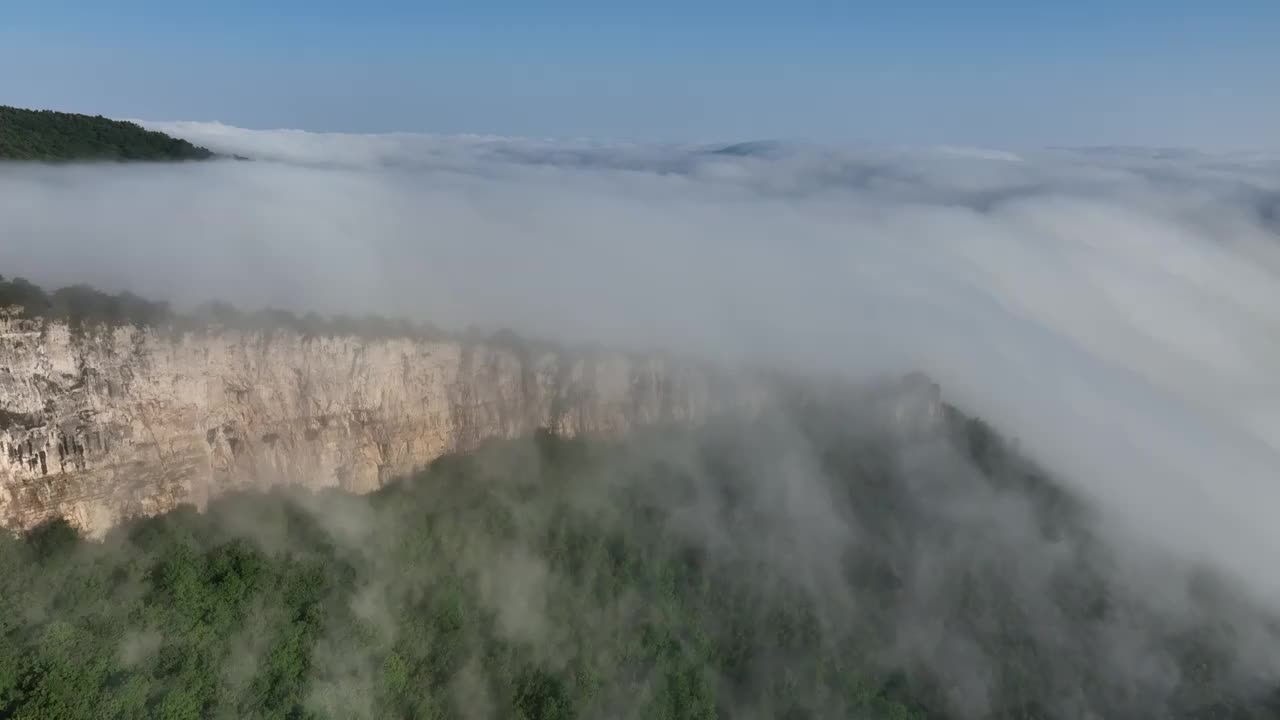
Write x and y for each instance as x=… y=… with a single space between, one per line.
x=1115 y=310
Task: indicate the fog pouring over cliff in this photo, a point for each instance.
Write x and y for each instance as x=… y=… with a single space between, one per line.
x=1114 y=310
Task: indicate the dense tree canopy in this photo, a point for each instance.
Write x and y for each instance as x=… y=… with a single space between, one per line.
x=48 y=135
x=782 y=567
x=81 y=304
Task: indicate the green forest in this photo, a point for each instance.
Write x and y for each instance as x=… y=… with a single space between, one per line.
x=46 y=135
x=805 y=563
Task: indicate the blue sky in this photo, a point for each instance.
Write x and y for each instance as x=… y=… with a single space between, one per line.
x=998 y=74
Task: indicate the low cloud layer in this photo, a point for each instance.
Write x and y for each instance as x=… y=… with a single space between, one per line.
x=1115 y=310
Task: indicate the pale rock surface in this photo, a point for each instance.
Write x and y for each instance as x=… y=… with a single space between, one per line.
x=101 y=425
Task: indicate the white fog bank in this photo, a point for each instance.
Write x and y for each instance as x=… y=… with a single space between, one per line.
x=1115 y=310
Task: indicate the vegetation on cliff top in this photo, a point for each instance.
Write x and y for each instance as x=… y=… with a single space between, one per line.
x=85 y=308
x=47 y=135
x=797 y=566
x=81 y=305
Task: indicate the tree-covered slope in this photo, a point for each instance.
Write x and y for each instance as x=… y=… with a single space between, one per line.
x=802 y=564
x=47 y=135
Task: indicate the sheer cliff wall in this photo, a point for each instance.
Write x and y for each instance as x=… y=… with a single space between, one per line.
x=103 y=423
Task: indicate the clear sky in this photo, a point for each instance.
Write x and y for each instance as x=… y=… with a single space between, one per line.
x=1013 y=74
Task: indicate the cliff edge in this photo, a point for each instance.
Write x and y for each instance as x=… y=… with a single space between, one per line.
x=99 y=423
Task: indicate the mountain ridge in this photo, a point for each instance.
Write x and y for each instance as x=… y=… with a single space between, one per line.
x=54 y=136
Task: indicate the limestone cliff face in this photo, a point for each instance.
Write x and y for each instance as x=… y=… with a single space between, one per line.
x=107 y=423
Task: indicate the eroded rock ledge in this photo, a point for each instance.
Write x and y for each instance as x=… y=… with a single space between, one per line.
x=102 y=423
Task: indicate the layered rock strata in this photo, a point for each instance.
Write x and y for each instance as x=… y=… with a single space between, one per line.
x=101 y=424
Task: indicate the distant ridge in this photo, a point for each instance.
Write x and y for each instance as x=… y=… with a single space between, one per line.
x=47 y=135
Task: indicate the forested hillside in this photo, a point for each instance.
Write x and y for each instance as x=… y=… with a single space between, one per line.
x=805 y=564
x=46 y=135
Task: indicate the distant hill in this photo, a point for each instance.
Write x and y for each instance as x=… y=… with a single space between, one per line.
x=59 y=136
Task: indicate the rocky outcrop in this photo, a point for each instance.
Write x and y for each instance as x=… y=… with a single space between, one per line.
x=97 y=425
